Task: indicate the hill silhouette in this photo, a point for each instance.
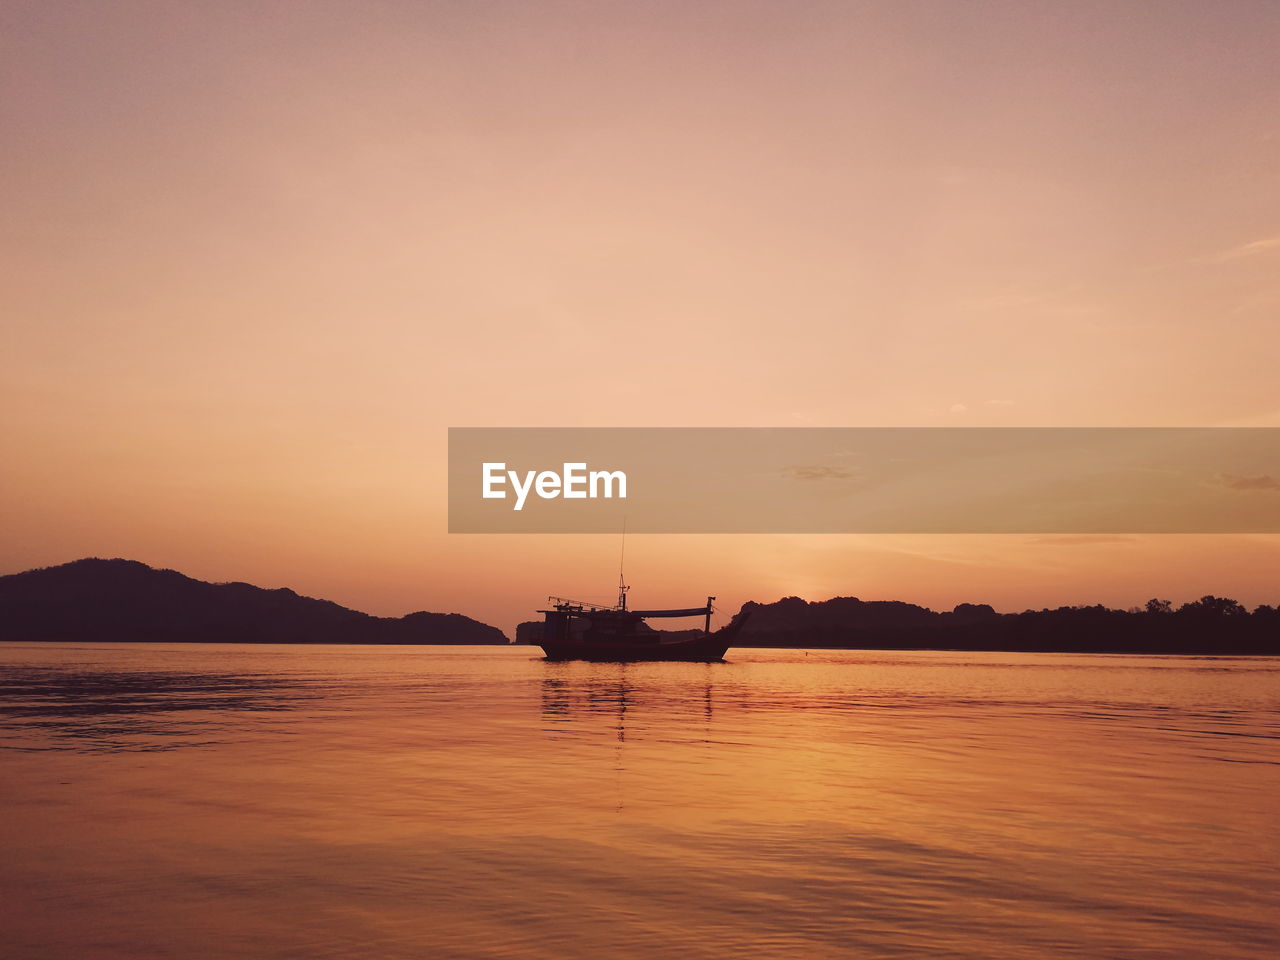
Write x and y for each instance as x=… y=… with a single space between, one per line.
x=95 y=600
x=1206 y=627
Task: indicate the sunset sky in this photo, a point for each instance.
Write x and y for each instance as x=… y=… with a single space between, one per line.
x=260 y=256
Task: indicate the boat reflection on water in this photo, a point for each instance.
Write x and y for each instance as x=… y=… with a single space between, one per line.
x=586 y=703
x=612 y=690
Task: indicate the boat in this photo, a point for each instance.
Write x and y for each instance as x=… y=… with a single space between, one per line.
x=574 y=630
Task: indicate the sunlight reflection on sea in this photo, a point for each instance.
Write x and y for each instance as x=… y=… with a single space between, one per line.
x=341 y=802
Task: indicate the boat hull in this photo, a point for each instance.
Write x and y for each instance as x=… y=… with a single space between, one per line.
x=702 y=650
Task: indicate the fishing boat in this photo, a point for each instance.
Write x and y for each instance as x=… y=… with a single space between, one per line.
x=574 y=630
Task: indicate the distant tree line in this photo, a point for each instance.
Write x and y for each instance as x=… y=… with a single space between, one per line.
x=1208 y=626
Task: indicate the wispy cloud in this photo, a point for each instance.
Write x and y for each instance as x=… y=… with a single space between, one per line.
x=818 y=472
x=1263 y=481
x=1251 y=249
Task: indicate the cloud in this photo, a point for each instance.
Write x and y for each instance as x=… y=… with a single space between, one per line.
x=1263 y=481
x=959 y=408
x=818 y=472
x=1251 y=249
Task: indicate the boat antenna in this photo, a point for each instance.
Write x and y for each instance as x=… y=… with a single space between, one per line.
x=622 y=583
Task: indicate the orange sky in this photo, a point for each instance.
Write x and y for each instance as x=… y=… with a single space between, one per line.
x=260 y=256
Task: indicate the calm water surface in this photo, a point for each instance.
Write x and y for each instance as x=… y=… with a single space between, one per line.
x=395 y=802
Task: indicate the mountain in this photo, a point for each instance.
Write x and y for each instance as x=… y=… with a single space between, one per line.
x=1210 y=626
x=124 y=600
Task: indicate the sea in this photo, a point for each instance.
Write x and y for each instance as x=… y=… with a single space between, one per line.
x=378 y=802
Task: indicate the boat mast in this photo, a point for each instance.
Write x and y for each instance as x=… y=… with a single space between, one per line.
x=622 y=583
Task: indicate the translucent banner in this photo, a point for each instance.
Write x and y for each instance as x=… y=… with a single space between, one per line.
x=865 y=480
